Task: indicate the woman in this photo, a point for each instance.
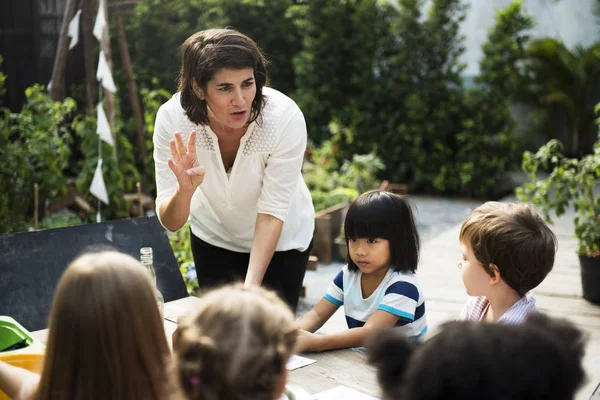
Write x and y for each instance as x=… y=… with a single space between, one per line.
x=106 y=338
x=228 y=153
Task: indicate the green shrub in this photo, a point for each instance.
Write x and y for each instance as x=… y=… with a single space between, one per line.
x=182 y=248
x=331 y=183
x=118 y=166
x=34 y=148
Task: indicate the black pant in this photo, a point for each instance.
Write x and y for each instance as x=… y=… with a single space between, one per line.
x=217 y=266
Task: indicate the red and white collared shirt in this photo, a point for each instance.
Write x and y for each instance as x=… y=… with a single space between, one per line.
x=476 y=308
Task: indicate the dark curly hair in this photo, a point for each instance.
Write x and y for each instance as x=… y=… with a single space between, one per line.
x=538 y=360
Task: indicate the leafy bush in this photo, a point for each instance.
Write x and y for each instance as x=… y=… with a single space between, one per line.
x=334 y=70
x=152 y=100
x=331 y=183
x=118 y=166
x=267 y=22
x=562 y=88
x=182 y=248
x=486 y=145
x=34 y=148
x=60 y=220
x=571 y=182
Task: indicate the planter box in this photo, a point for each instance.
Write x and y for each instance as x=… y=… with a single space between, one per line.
x=590 y=278
x=328 y=223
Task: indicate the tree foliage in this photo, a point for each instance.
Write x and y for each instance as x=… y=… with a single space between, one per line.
x=34 y=148
x=562 y=88
x=173 y=21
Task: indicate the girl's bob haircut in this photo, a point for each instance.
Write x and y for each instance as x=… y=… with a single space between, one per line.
x=385 y=215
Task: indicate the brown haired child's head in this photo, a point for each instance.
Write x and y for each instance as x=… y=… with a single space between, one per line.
x=235 y=346
x=106 y=336
x=514 y=239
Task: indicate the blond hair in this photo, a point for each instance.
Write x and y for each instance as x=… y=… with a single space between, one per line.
x=515 y=238
x=236 y=346
x=106 y=336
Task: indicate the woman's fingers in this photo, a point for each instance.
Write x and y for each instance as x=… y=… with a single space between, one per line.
x=196 y=171
x=179 y=143
x=172 y=165
x=173 y=148
x=191 y=144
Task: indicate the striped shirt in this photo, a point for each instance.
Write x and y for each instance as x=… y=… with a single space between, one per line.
x=476 y=308
x=398 y=294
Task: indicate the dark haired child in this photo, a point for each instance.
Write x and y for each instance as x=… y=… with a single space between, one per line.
x=507 y=250
x=540 y=359
x=378 y=287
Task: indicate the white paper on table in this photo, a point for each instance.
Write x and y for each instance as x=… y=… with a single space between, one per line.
x=104 y=75
x=73 y=31
x=98 y=188
x=100 y=22
x=343 y=392
x=296 y=362
x=103 y=127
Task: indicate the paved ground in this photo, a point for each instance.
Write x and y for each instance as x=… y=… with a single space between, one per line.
x=440 y=219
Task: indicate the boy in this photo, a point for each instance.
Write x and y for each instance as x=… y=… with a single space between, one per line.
x=507 y=250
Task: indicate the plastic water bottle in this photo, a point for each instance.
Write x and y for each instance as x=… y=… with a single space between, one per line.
x=147 y=260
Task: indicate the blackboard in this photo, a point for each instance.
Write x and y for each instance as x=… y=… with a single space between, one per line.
x=31 y=263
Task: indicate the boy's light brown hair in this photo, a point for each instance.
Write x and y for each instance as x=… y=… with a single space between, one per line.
x=515 y=238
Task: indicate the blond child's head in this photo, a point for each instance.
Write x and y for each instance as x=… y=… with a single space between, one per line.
x=235 y=346
x=510 y=241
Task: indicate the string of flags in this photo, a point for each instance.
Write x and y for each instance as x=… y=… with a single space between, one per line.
x=104 y=77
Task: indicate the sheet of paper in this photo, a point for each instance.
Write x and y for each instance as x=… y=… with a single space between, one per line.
x=342 y=392
x=296 y=362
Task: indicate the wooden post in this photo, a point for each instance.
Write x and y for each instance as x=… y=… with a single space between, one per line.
x=109 y=98
x=131 y=87
x=36 y=204
x=140 y=198
x=88 y=8
x=60 y=60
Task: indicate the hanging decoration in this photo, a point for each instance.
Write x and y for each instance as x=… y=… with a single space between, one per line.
x=103 y=128
x=73 y=31
x=105 y=80
x=104 y=75
x=100 y=22
x=98 y=188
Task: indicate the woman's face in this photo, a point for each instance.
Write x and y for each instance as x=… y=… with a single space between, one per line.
x=229 y=96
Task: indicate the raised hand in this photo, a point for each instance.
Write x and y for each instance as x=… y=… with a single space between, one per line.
x=184 y=163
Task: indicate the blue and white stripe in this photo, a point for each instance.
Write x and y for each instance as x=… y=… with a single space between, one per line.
x=398 y=294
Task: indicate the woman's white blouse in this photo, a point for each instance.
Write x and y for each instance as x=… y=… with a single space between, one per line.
x=265 y=178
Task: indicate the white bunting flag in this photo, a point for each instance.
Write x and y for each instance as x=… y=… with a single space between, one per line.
x=73 y=32
x=98 y=188
x=103 y=128
x=103 y=74
x=100 y=22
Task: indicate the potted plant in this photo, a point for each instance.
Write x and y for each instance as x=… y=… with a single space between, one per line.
x=573 y=182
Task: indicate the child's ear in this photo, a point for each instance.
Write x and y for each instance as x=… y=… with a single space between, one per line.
x=495 y=278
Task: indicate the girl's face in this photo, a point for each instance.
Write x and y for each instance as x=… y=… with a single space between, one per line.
x=474 y=276
x=229 y=96
x=371 y=255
